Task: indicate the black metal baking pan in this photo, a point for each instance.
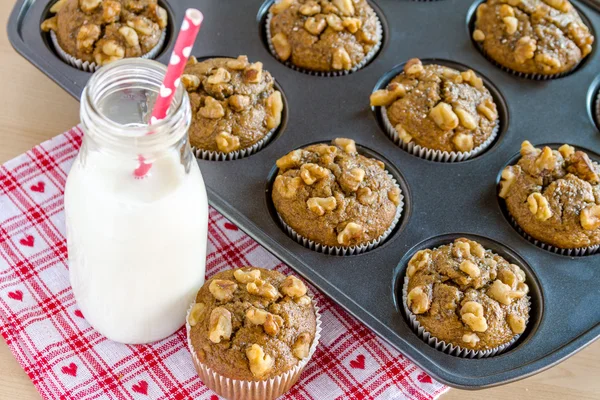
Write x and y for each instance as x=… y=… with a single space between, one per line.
x=442 y=200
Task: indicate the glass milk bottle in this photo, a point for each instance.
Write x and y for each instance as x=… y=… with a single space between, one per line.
x=136 y=208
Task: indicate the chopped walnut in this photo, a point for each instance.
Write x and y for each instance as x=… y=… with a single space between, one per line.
x=282 y=46
x=226 y=142
x=87 y=36
x=192 y=60
x=461 y=249
x=290 y=160
x=506 y=11
x=219 y=75
x=287 y=186
x=465 y=118
x=142 y=25
x=222 y=289
x=274 y=109
x=320 y=205
x=546 y=160
x=310 y=8
x=111 y=51
x=334 y=22
x=293 y=287
x=413 y=66
x=212 y=109
x=259 y=362
x=352 y=230
x=219 y=325
x=366 y=196
x=527 y=148
x=161 y=16
x=477 y=250
x=566 y=151
x=315 y=25
x=262 y=289
x=345 y=6
x=190 y=82
x=470 y=268
x=341 y=59
x=238 y=102
x=394 y=195
x=547 y=60
x=520 y=274
x=271 y=323
x=525 y=49
x=420 y=260
x=88 y=6
x=472 y=315
x=403 y=134
x=310 y=173
x=463 y=142
x=51 y=24
x=280 y=6
x=561 y=5
x=472 y=79
x=581 y=36
x=238 y=64
x=301 y=346
x=510 y=24
x=418 y=300
x=538 y=206
x=253 y=72
x=508 y=178
x=488 y=109
x=196 y=313
x=470 y=339
x=478 y=35
x=508 y=277
x=303 y=301
x=246 y=275
x=516 y=323
x=354 y=178
x=590 y=217
x=500 y=292
x=581 y=166
x=111 y=11
x=352 y=24
x=348 y=145
x=130 y=36
x=443 y=116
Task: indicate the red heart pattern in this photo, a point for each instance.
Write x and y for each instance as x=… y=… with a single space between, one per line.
x=39 y=187
x=78 y=313
x=141 y=387
x=28 y=241
x=16 y=295
x=71 y=369
x=359 y=363
x=230 y=226
x=214 y=397
x=424 y=378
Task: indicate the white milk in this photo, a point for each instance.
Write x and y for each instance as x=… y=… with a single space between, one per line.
x=137 y=247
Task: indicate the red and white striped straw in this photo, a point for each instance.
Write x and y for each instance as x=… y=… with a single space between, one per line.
x=183 y=48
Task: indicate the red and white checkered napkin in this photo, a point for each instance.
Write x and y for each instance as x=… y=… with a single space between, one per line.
x=65 y=358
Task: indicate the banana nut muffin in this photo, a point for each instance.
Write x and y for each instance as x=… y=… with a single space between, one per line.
x=438 y=107
x=252 y=324
x=103 y=31
x=545 y=37
x=234 y=103
x=468 y=296
x=554 y=196
x=334 y=196
x=321 y=35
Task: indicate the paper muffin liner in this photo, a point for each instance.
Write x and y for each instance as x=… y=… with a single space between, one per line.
x=235 y=389
x=432 y=154
x=233 y=155
x=350 y=250
x=366 y=59
x=88 y=66
x=573 y=252
x=450 y=348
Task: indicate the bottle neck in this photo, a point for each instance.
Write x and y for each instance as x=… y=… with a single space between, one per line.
x=116 y=106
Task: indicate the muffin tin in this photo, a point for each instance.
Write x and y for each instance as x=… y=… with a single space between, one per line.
x=442 y=200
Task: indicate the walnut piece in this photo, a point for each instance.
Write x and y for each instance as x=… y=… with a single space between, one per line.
x=287 y=186
x=351 y=231
x=282 y=46
x=461 y=249
x=301 y=346
x=87 y=36
x=508 y=277
x=478 y=36
x=385 y=97
x=341 y=59
x=196 y=313
x=561 y=5
x=352 y=24
x=303 y=301
x=271 y=323
x=130 y=36
x=470 y=268
x=590 y=218
x=547 y=61
x=413 y=66
x=238 y=102
x=465 y=118
x=403 y=134
x=226 y=142
x=262 y=289
x=212 y=109
x=463 y=142
x=345 y=6
x=222 y=289
x=219 y=75
x=516 y=323
x=253 y=72
x=111 y=11
x=259 y=362
x=310 y=173
x=315 y=25
x=219 y=325
x=161 y=16
x=506 y=11
x=142 y=25
x=420 y=260
x=581 y=36
x=500 y=292
x=538 y=206
x=51 y=24
x=246 y=275
x=348 y=145
x=418 y=300
x=111 y=51
x=488 y=109
x=525 y=49
x=546 y=160
x=443 y=116
x=510 y=24
x=190 y=82
x=470 y=339
x=320 y=205
x=238 y=64
x=293 y=287
x=334 y=22
x=472 y=79
x=280 y=6
x=290 y=160
x=274 y=109
x=508 y=177
x=581 y=165
x=566 y=151
x=472 y=315
x=88 y=6
x=527 y=148
x=394 y=195
x=354 y=178
x=365 y=196
x=310 y=8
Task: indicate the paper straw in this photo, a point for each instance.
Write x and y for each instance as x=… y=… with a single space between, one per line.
x=183 y=48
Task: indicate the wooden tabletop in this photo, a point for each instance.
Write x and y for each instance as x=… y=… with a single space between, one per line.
x=34 y=109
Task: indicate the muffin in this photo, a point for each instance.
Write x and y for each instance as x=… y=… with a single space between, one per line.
x=554 y=197
x=330 y=197
x=465 y=299
x=251 y=332
x=437 y=112
x=235 y=106
x=324 y=37
x=91 y=33
x=540 y=39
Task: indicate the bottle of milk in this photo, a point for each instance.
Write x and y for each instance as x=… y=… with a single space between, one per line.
x=136 y=208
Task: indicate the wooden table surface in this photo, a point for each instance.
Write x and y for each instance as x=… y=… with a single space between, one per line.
x=34 y=109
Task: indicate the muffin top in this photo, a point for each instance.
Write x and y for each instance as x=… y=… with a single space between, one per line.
x=334 y=196
x=544 y=37
x=322 y=35
x=234 y=103
x=252 y=324
x=438 y=107
x=554 y=196
x=466 y=295
x=103 y=31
